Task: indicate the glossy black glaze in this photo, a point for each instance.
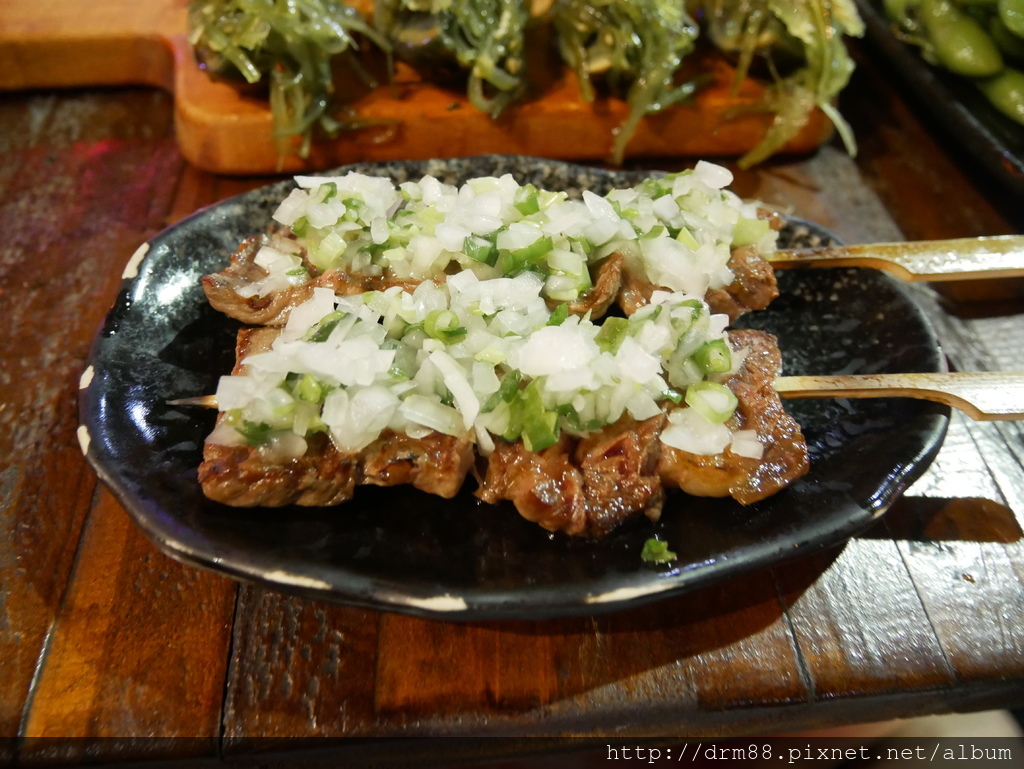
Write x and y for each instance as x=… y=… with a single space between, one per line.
x=402 y=550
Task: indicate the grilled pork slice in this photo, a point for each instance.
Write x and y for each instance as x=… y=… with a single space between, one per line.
x=246 y=476
x=261 y=476
x=437 y=463
x=589 y=486
x=728 y=474
x=249 y=476
x=272 y=309
x=583 y=487
x=544 y=485
x=222 y=288
x=606 y=277
x=753 y=288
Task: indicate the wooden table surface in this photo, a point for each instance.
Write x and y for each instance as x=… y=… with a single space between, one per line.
x=101 y=636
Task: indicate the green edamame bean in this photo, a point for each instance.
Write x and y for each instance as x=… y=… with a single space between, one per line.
x=1011 y=13
x=1008 y=43
x=1006 y=92
x=960 y=44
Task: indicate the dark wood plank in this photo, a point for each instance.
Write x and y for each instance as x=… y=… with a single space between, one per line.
x=127 y=642
x=71 y=214
x=658 y=661
x=861 y=628
x=299 y=668
x=971 y=580
x=644 y=670
x=60 y=119
x=138 y=647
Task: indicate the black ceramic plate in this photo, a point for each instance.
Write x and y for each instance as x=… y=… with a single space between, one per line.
x=977 y=128
x=402 y=550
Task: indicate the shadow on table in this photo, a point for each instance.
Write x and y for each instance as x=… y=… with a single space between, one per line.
x=937 y=519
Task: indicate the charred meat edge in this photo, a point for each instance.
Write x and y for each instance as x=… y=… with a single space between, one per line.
x=222 y=288
x=753 y=288
x=590 y=486
x=251 y=476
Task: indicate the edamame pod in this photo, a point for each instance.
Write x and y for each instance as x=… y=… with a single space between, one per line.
x=1008 y=43
x=959 y=43
x=1011 y=13
x=1006 y=92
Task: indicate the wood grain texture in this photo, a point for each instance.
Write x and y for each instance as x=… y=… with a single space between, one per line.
x=861 y=628
x=46 y=43
x=299 y=668
x=690 y=662
x=59 y=274
x=139 y=647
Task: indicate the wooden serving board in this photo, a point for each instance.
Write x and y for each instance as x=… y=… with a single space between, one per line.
x=53 y=43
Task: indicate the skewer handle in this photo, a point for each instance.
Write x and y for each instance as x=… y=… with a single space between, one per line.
x=997 y=256
x=984 y=396
x=205 y=401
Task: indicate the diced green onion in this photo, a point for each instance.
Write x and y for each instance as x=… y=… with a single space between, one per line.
x=572 y=418
x=673 y=395
x=656 y=551
x=559 y=315
x=310 y=389
x=581 y=246
x=480 y=249
x=685 y=237
x=514 y=262
x=322 y=330
x=714 y=357
x=255 y=433
x=490 y=355
x=749 y=231
x=506 y=390
x=612 y=332
x=681 y=319
x=375 y=249
x=444 y=325
x=527 y=200
x=536 y=426
x=713 y=401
